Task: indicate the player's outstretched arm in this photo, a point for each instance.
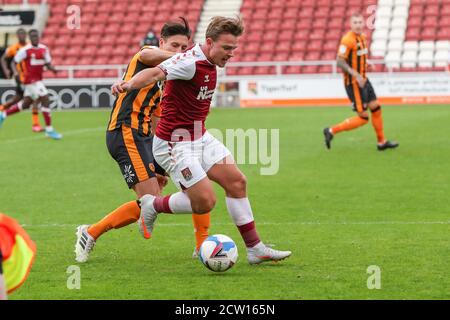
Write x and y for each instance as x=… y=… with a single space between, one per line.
x=154 y=56
x=139 y=81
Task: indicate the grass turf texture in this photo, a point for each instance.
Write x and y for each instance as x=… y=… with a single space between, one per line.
x=339 y=211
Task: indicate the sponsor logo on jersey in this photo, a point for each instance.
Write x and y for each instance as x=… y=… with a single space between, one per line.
x=204 y=93
x=362 y=52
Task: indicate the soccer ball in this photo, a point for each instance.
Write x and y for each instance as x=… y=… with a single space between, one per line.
x=218 y=253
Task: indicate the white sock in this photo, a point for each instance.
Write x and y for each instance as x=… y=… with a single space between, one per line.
x=239 y=210
x=180 y=203
x=49 y=129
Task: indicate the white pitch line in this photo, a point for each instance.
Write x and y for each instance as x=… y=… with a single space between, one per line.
x=65 y=134
x=315 y=223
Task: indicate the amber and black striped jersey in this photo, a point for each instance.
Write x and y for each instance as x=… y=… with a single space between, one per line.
x=11 y=52
x=353 y=48
x=134 y=108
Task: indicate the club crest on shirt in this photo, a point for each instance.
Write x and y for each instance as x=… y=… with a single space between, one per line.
x=187 y=174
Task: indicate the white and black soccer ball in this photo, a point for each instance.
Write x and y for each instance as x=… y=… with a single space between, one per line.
x=218 y=253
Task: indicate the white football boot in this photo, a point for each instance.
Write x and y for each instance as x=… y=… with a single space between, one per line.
x=148 y=216
x=262 y=253
x=85 y=244
x=195 y=254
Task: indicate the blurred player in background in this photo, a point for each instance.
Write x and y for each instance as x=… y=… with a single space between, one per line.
x=352 y=59
x=186 y=150
x=8 y=58
x=150 y=40
x=17 y=252
x=34 y=57
x=129 y=139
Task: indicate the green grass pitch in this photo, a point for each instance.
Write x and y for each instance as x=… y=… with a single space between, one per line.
x=339 y=211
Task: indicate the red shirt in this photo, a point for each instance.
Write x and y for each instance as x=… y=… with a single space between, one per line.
x=191 y=81
x=34 y=59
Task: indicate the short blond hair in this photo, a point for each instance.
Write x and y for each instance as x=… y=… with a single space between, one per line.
x=223 y=25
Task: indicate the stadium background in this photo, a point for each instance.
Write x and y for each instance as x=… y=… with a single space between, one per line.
x=338 y=217
x=91 y=42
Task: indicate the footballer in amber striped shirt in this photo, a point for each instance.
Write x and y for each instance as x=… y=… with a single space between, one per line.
x=352 y=59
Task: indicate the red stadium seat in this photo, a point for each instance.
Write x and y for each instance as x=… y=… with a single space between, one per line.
x=413 y=34
x=312 y=56
x=443 y=34
x=428 y=34
x=415 y=22
x=429 y=22
x=304 y=24
x=432 y=10
x=245 y=71
x=293 y=70
x=416 y=10
x=282 y=56
x=325 y=69
x=309 y=69
x=315 y=45
x=283 y=47
x=264 y=70
x=328 y=55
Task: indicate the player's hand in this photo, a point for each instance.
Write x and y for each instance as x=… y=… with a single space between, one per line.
x=361 y=81
x=162 y=181
x=119 y=86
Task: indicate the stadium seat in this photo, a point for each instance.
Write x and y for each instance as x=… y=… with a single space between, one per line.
x=441 y=58
x=292 y=70
x=393 y=59
x=425 y=58
x=100 y=24
x=409 y=59
x=277 y=30
x=309 y=69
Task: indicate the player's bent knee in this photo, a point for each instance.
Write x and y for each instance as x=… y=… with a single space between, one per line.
x=363 y=115
x=237 y=187
x=203 y=204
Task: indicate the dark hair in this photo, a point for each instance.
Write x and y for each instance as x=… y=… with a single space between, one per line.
x=32 y=31
x=175 y=28
x=21 y=30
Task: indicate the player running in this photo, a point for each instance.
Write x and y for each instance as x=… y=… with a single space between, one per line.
x=183 y=147
x=352 y=59
x=129 y=139
x=34 y=56
x=7 y=57
x=17 y=252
